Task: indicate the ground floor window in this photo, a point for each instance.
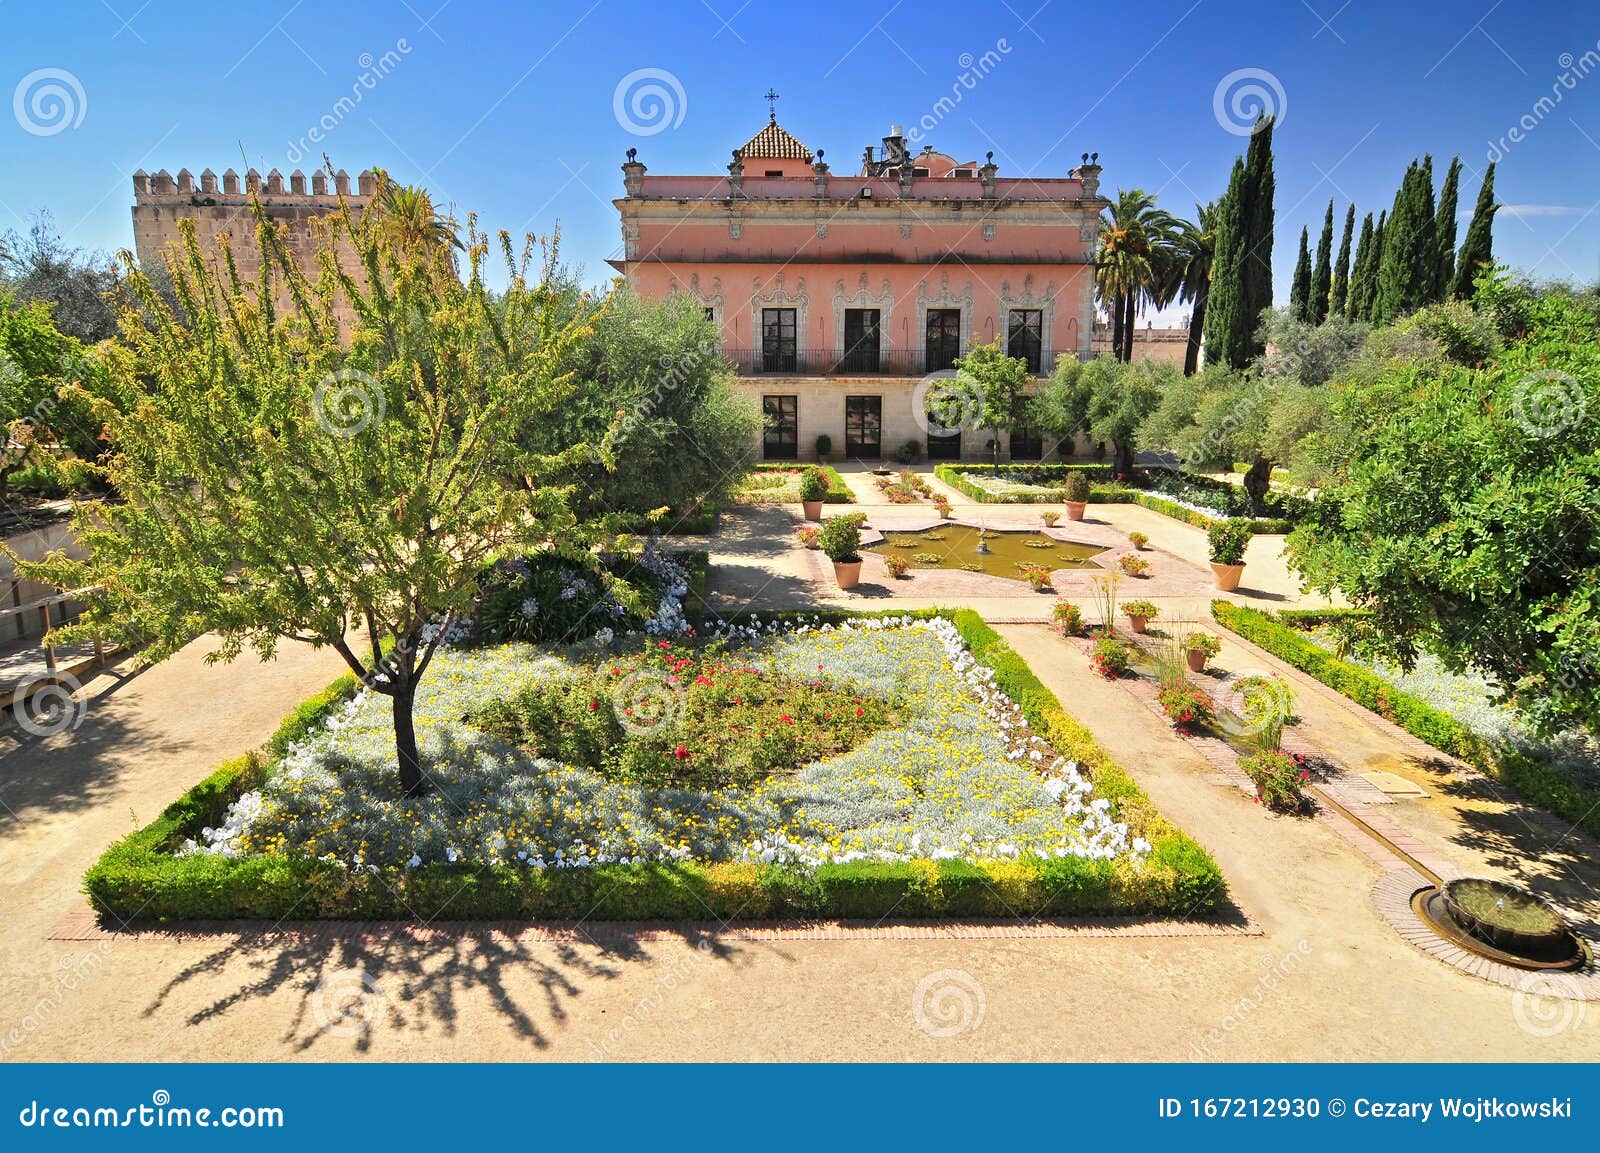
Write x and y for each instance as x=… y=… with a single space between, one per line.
x=863 y=427
x=943 y=445
x=780 y=437
x=1026 y=444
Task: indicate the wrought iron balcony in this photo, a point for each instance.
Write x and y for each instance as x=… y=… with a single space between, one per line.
x=784 y=361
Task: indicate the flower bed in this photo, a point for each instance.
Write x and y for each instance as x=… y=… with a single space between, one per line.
x=1538 y=780
x=780 y=484
x=965 y=790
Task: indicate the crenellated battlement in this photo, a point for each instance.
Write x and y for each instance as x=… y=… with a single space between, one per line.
x=163 y=189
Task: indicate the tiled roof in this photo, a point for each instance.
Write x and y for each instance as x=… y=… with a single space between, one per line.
x=774 y=143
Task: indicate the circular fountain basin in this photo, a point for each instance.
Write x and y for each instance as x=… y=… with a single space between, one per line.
x=1502 y=922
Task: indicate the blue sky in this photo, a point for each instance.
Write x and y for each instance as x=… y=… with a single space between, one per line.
x=510 y=109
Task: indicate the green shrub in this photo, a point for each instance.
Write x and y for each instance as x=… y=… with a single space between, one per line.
x=813 y=484
x=841 y=539
x=1538 y=782
x=1076 y=487
x=1279 y=778
x=1228 y=540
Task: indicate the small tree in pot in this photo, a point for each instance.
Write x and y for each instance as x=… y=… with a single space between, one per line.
x=841 y=540
x=813 y=491
x=1228 y=540
x=1075 y=494
x=824 y=445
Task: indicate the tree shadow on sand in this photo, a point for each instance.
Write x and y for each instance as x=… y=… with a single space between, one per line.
x=351 y=982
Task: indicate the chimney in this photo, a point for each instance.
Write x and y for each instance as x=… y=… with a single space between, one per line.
x=633 y=174
x=819 y=172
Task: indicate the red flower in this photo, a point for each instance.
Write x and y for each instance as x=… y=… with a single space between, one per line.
x=681 y=753
x=860 y=712
x=786 y=719
x=593 y=705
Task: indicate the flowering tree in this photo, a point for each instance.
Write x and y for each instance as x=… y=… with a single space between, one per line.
x=281 y=479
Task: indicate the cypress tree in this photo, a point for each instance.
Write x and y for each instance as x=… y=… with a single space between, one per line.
x=1322 y=276
x=1339 y=291
x=1477 y=249
x=1410 y=248
x=1370 y=311
x=1300 y=288
x=1241 y=272
x=1361 y=274
x=1444 y=227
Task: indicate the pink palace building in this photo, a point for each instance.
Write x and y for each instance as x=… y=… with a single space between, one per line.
x=837 y=296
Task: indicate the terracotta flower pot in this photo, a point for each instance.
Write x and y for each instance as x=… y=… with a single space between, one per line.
x=1137 y=624
x=1197 y=660
x=1075 y=508
x=1227 y=576
x=812 y=509
x=847 y=573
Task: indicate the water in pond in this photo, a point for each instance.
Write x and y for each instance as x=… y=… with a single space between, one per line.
x=955 y=546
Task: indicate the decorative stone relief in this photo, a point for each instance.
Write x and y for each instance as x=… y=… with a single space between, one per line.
x=945 y=297
x=1029 y=297
x=775 y=294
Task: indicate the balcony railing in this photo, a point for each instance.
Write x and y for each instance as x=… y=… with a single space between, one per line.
x=855 y=362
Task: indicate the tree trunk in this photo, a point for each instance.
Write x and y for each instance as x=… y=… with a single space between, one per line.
x=1127 y=333
x=1197 y=326
x=1116 y=326
x=1257 y=482
x=1124 y=458
x=405 y=742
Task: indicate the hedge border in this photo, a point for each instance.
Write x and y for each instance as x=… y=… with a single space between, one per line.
x=1101 y=494
x=838 y=491
x=1533 y=780
x=138 y=878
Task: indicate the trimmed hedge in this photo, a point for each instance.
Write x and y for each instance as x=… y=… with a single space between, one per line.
x=1537 y=782
x=952 y=474
x=139 y=878
x=838 y=491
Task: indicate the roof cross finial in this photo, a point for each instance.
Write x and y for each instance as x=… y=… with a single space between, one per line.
x=772 y=104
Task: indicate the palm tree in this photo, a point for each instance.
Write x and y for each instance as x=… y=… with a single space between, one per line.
x=414 y=221
x=1193 y=244
x=1131 y=269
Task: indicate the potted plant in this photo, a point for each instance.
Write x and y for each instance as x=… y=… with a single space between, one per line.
x=824 y=444
x=809 y=536
x=1109 y=656
x=1138 y=540
x=1037 y=576
x=1228 y=540
x=1140 y=614
x=841 y=540
x=1198 y=648
x=1068 y=618
x=1075 y=494
x=1134 y=566
x=898 y=566
x=942 y=503
x=813 y=490
x=1050 y=518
